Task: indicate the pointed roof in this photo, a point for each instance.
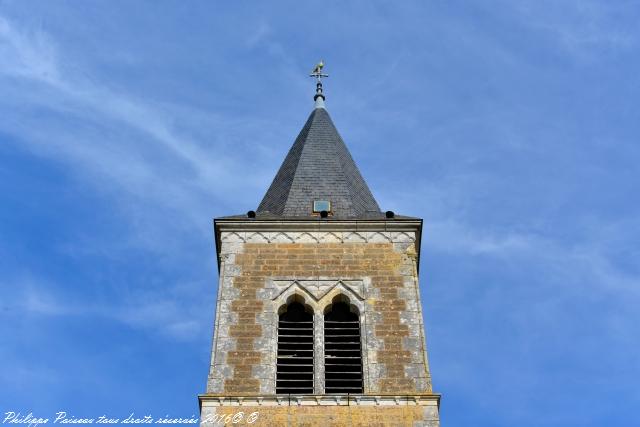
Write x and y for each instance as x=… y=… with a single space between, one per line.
x=319 y=167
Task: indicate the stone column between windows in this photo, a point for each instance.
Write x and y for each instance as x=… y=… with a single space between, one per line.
x=318 y=353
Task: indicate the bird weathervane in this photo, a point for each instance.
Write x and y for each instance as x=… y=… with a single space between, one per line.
x=317 y=71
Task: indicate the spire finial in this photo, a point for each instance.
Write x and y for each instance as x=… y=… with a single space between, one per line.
x=318 y=74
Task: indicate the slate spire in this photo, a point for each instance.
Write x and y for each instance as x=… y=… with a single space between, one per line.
x=319 y=167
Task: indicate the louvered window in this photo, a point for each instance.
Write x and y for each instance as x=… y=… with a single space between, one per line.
x=342 y=353
x=294 y=373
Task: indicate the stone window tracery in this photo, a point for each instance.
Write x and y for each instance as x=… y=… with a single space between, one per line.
x=319 y=348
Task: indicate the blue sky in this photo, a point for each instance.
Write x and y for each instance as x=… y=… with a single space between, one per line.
x=511 y=127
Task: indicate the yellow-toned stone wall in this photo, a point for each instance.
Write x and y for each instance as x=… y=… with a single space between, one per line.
x=253 y=268
x=323 y=416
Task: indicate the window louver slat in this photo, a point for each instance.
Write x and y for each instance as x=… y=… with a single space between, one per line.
x=343 y=356
x=294 y=373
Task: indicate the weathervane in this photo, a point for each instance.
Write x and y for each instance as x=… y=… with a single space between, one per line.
x=317 y=71
x=318 y=74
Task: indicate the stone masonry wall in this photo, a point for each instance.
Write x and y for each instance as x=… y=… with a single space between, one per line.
x=293 y=413
x=261 y=271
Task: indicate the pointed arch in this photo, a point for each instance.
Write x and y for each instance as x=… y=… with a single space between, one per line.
x=306 y=237
x=281 y=238
x=341 y=292
x=257 y=237
x=378 y=237
x=298 y=293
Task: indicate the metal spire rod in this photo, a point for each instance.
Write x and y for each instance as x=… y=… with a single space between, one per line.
x=318 y=74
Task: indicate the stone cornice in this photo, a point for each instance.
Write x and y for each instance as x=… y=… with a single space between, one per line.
x=432 y=399
x=248 y=225
x=317 y=225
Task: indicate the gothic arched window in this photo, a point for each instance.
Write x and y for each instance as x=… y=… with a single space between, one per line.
x=342 y=352
x=294 y=374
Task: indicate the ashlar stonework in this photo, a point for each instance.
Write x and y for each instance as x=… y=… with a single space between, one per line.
x=375 y=271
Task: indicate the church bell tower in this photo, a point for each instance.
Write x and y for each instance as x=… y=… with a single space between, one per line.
x=318 y=316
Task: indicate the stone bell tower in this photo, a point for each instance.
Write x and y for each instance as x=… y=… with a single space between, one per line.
x=318 y=318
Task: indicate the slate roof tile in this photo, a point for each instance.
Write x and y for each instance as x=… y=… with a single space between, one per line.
x=319 y=167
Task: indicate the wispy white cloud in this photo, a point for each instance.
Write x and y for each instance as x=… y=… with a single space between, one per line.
x=177 y=311
x=27 y=54
x=453 y=237
x=587 y=262
x=34 y=56
x=116 y=137
x=173 y=311
x=259 y=35
x=582 y=27
x=542 y=302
